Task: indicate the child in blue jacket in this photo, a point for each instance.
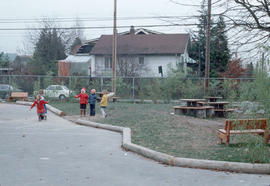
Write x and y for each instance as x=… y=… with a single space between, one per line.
x=92 y=101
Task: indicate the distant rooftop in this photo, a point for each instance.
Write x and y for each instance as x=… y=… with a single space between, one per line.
x=142 y=44
x=89 y=45
x=11 y=56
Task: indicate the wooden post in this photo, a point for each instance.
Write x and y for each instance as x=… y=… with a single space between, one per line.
x=207 y=50
x=114 y=50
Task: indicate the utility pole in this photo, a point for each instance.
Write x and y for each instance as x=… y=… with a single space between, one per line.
x=114 y=50
x=199 y=70
x=207 y=50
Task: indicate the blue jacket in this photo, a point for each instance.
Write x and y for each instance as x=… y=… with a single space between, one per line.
x=92 y=99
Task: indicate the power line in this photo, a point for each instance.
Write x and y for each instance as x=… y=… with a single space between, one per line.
x=89 y=19
x=195 y=5
x=106 y=27
x=101 y=27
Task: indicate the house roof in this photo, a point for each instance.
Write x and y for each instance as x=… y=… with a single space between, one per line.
x=77 y=59
x=137 y=31
x=142 y=44
x=10 y=56
x=140 y=31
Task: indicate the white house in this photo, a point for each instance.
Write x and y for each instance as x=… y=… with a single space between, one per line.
x=150 y=51
x=140 y=52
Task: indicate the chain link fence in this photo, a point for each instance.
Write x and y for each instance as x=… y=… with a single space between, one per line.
x=129 y=87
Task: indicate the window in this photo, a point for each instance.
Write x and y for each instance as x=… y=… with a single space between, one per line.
x=52 y=87
x=141 y=60
x=58 y=88
x=108 y=62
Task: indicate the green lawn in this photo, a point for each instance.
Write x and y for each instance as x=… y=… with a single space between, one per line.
x=154 y=127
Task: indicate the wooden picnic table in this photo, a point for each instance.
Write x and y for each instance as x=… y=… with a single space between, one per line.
x=213 y=98
x=220 y=109
x=192 y=102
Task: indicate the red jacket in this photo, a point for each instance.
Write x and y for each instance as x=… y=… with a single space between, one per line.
x=83 y=98
x=40 y=106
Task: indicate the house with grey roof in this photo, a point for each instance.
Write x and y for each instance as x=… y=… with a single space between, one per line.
x=20 y=63
x=140 y=53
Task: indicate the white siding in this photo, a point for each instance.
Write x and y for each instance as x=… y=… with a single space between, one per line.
x=151 y=62
x=100 y=69
x=154 y=61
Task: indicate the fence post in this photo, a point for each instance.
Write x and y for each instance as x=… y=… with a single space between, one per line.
x=69 y=82
x=204 y=86
x=101 y=84
x=133 y=89
x=9 y=81
x=39 y=82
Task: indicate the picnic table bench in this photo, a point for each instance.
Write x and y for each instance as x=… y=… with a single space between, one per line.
x=202 y=103
x=18 y=95
x=243 y=126
x=200 y=112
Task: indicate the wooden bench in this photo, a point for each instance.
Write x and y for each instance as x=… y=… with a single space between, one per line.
x=18 y=95
x=200 y=112
x=244 y=126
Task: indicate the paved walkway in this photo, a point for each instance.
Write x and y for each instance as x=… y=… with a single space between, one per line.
x=57 y=152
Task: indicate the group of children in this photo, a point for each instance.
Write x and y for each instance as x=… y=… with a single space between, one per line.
x=91 y=99
x=84 y=100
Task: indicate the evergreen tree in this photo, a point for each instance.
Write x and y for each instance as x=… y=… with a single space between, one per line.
x=250 y=71
x=220 y=53
x=198 y=40
x=48 y=49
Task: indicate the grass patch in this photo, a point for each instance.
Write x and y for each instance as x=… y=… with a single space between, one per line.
x=154 y=127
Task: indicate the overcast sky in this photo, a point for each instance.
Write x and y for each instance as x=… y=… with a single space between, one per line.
x=12 y=10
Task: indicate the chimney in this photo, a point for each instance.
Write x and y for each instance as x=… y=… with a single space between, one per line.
x=132 y=30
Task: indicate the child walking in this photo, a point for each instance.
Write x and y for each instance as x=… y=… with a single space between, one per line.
x=40 y=107
x=83 y=101
x=103 y=103
x=92 y=102
x=41 y=93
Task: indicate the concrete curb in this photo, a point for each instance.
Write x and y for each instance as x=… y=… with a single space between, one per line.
x=177 y=161
x=98 y=125
x=49 y=107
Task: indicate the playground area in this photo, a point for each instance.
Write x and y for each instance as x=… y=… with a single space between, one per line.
x=147 y=106
x=157 y=127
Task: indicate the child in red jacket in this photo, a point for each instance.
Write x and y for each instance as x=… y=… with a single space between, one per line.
x=83 y=101
x=40 y=107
